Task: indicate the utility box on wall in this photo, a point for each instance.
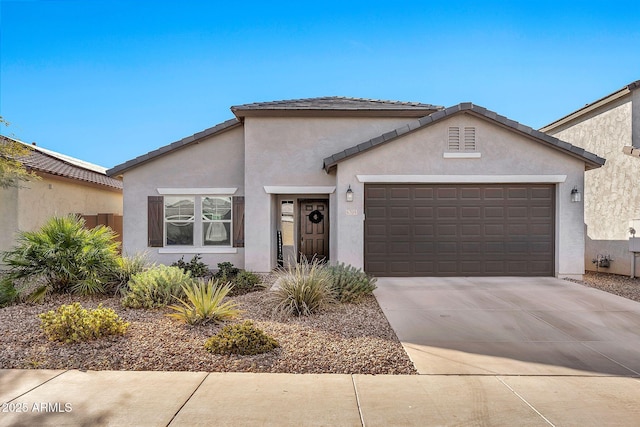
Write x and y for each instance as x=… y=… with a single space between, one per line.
x=634 y=244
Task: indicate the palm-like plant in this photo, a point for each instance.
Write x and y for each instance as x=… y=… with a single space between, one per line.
x=205 y=303
x=62 y=256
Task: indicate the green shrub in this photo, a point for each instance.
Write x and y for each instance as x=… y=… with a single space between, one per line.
x=304 y=288
x=242 y=338
x=156 y=287
x=205 y=303
x=72 y=323
x=126 y=268
x=350 y=284
x=8 y=292
x=195 y=266
x=226 y=272
x=66 y=255
x=246 y=282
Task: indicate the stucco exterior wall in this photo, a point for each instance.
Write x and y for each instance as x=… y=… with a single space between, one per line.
x=502 y=153
x=612 y=193
x=216 y=162
x=8 y=217
x=28 y=208
x=289 y=151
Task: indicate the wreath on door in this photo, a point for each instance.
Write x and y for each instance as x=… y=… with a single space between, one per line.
x=316 y=216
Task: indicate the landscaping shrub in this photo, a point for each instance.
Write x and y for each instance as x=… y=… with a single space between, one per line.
x=66 y=255
x=195 y=266
x=350 y=284
x=226 y=272
x=304 y=288
x=242 y=338
x=246 y=282
x=72 y=323
x=126 y=268
x=8 y=292
x=156 y=287
x=205 y=303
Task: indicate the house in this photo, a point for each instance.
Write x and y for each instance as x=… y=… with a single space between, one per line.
x=609 y=127
x=396 y=188
x=67 y=186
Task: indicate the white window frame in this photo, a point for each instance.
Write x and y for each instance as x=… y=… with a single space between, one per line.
x=198 y=245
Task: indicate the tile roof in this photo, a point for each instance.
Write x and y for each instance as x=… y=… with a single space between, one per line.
x=43 y=160
x=221 y=127
x=335 y=103
x=591 y=160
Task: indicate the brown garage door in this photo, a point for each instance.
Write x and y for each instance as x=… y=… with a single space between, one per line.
x=459 y=230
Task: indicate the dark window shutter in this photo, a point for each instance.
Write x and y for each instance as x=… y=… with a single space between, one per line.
x=238 y=222
x=155 y=221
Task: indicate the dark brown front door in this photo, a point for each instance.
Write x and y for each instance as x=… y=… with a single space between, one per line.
x=314 y=229
x=459 y=230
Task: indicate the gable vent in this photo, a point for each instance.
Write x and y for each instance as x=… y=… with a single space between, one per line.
x=469 y=138
x=454 y=138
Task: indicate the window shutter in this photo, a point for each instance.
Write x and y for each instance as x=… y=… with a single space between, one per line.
x=155 y=221
x=238 y=222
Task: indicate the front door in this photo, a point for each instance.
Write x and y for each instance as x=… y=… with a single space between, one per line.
x=314 y=229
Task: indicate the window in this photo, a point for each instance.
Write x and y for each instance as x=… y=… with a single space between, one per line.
x=208 y=224
x=179 y=218
x=216 y=221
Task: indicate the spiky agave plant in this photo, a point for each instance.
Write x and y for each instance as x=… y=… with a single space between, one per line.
x=205 y=303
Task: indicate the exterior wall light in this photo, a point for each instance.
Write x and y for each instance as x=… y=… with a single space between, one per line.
x=349 y=194
x=575 y=195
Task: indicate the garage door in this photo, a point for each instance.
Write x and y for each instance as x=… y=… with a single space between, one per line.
x=459 y=230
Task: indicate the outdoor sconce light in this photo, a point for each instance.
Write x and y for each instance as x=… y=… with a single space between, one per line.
x=575 y=195
x=349 y=194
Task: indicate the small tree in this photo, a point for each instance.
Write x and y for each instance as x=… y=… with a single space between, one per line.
x=12 y=170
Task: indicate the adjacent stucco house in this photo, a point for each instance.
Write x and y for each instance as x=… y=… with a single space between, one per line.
x=399 y=189
x=609 y=127
x=67 y=186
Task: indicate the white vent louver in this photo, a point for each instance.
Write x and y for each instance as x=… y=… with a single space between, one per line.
x=469 y=138
x=454 y=138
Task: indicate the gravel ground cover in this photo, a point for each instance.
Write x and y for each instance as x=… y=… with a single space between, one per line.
x=623 y=286
x=348 y=338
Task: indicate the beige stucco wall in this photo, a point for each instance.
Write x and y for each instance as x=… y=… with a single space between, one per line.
x=8 y=217
x=502 y=153
x=216 y=162
x=288 y=151
x=28 y=208
x=612 y=193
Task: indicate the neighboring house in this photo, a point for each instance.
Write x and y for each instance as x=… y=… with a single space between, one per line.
x=609 y=127
x=67 y=185
x=400 y=189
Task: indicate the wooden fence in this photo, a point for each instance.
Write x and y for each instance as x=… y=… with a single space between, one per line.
x=114 y=221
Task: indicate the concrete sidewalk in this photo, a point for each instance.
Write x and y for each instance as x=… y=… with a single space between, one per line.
x=126 y=398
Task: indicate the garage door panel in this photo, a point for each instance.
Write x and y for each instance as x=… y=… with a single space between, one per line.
x=423 y=212
x=470 y=212
x=423 y=248
x=421 y=231
x=446 y=212
x=446 y=193
x=422 y=193
x=399 y=193
x=447 y=230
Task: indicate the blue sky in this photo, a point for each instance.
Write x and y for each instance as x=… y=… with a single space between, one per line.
x=108 y=80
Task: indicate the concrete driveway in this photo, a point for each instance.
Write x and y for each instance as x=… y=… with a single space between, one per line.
x=512 y=326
